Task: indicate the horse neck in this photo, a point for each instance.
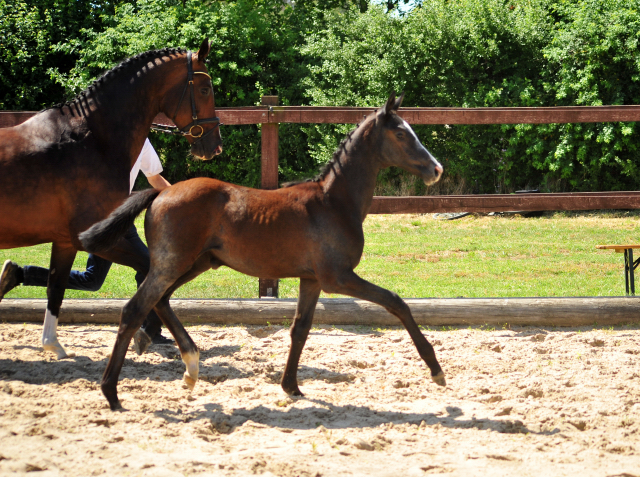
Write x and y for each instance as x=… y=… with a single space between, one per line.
x=352 y=176
x=122 y=110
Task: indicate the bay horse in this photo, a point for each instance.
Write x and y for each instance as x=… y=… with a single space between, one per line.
x=311 y=230
x=68 y=167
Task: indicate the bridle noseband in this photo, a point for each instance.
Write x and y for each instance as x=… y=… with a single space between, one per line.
x=188 y=130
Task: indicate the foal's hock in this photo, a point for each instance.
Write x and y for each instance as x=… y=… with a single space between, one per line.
x=311 y=230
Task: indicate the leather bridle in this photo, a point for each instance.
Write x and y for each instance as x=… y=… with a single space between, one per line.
x=188 y=130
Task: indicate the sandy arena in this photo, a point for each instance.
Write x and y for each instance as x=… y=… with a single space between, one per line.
x=523 y=401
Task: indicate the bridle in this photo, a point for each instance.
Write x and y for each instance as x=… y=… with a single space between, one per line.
x=188 y=130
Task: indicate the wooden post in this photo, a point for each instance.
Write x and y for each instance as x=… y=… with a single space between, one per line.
x=268 y=287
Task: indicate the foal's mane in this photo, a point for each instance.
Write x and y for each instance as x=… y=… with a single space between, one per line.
x=115 y=72
x=335 y=159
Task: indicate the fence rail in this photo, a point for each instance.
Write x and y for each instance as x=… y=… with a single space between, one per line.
x=269 y=114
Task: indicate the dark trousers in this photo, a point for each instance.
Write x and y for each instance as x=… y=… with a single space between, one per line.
x=94 y=276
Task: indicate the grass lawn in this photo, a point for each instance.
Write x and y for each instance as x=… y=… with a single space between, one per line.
x=418 y=257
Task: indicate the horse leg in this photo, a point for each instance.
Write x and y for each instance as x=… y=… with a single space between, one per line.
x=188 y=349
x=62 y=257
x=131 y=318
x=350 y=284
x=126 y=254
x=307 y=299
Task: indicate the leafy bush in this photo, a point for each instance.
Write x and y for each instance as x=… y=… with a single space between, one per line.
x=474 y=53
x=37 y=38
x=465 y=53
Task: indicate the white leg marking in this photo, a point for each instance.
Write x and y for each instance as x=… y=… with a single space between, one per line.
x=192 y=362
x=50 y=337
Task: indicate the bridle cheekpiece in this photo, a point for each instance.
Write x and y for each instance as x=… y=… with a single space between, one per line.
x=188 y=130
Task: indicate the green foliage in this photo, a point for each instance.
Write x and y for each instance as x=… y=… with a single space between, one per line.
x=595 y=60
x=491 y=53
x=464 y=53
x=37 y=38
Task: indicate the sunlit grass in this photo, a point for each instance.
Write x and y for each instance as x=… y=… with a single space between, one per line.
x=417 y=256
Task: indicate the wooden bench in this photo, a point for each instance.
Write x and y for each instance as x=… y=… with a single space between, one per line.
x=629 y=264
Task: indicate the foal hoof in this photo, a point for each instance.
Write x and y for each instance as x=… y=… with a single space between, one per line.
x=439 y=379
x=112 y=397
x=141 y=342
x=292 y=390
x=189 y=381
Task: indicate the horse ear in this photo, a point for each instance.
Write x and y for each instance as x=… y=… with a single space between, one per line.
x=204 y=50
x=389 y=105
x=398 y=102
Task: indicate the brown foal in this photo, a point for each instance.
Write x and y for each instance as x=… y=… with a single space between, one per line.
x=311 y=230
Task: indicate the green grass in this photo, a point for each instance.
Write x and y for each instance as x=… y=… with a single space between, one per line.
x=417 y=256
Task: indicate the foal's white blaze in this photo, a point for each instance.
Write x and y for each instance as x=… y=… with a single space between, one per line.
x=438 y=166
x=50 y=337
x=191 y=361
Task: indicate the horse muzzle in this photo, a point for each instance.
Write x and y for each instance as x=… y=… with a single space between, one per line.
x=431 y=175
x=208 y=145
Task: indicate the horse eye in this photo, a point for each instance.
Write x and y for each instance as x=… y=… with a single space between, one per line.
x=400 y=134
x=204 y=91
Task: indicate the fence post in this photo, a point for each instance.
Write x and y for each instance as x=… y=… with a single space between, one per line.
x=268 y=287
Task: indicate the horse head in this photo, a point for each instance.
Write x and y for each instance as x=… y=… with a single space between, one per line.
x=401 y=147
x=194 y=108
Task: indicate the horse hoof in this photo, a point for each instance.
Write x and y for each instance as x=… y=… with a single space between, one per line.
x=189 y=381
x=58 y=350
x=112 y=397
x=439 y=379
x=141 y=341
x=192 y=362
x=292 y=391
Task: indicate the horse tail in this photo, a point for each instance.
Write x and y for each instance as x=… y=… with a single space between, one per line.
x=103 y=235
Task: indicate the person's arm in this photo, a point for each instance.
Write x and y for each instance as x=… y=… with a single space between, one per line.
x=158 y=182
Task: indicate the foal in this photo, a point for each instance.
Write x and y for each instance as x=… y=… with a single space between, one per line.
x=311 y=230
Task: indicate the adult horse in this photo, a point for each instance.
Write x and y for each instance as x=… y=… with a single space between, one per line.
x=68 y=167
x=312 y=230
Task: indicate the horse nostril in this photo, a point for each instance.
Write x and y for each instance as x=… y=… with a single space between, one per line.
x=218 y=150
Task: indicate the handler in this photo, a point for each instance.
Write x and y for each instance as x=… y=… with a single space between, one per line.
x=97 y=269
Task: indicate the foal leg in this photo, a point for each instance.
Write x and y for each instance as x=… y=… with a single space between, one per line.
x=62 y=257
x=348 y=283
x=126 y=254
x=188 y=349
x=133 y=314
x=307 y=299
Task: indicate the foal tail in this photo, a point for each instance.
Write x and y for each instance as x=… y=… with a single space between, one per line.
x=103 y=235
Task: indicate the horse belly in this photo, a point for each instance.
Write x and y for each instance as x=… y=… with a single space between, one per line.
x=268 y=252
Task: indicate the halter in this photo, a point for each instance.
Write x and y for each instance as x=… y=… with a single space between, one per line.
x=188 y=130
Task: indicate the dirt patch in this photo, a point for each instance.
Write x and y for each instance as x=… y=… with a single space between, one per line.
x=518 y=402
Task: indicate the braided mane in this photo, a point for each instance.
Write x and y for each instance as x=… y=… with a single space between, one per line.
x=117 y=70
x=335 y=159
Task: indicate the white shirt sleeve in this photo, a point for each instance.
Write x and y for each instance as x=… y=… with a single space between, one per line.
x=147 y=162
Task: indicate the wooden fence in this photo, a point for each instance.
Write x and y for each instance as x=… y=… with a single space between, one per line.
x=270 y=115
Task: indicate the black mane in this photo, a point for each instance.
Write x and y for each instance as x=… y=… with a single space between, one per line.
x=335 y=159
x=116 y=70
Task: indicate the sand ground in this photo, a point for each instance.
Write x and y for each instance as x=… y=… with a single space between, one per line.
x=525 y=401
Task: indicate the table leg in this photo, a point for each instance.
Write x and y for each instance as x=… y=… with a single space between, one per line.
x=632 y=284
